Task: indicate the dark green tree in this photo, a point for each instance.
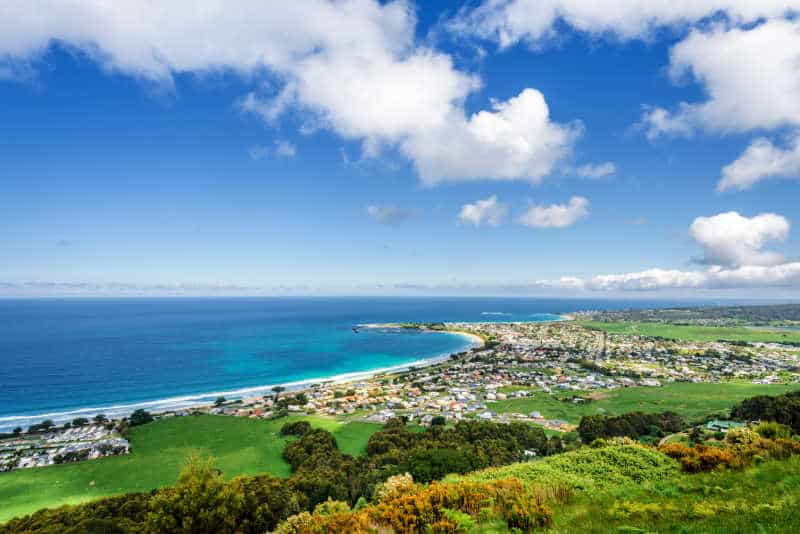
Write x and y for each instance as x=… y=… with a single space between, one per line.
x=140 y=417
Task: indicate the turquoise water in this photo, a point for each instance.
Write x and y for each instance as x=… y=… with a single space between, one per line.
x=63 y=358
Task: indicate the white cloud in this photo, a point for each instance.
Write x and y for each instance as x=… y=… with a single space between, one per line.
x=556 y=215
x=751 y=77
x=516 y=140
x=659 y=122
x=388 y=214
x=762 y=160
x=646 y=280
x=732 y=245
x=534 y=21
x=285 y=149
x=600 y=170
x=280 y=148
x=487 y=212
x=354 y=66
x=751 y=276
x=729 y=239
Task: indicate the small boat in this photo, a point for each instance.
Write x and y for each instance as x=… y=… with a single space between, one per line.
x=355 y=329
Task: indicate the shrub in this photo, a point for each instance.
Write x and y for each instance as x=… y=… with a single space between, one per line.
x=140 y=417
x=394 y=486
x=772 y=430
x=200 y=502
x=298 y=428
x=633 y=425
x=741 y=450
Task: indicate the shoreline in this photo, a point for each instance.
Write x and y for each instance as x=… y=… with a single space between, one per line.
x=203 y=400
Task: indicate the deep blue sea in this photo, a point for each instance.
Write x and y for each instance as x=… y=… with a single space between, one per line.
x=60 y=358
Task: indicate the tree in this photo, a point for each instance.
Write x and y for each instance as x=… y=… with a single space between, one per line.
x=45 y=425
x=100 y=418
x=277 y=390
x=297 y=428
x=438 y=420
x=17 y=430
x=201 y=502
x=220 y=401
x=140 y=417
x=79 y=421
x=591 y=428
x=784 y=409
x=433 y=464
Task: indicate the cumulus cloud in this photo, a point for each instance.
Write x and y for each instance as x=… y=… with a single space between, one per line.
x=556 y=215
x=355 y=66
x=600 y=170
x=488 y=212
x=516 y=140
x=534 y=21
x=388 y=214
x=729 y=239
x=750 y=75
x=762 y=160
x=658 y=122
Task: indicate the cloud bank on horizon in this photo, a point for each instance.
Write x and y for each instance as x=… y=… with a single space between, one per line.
x=732 y=247
x=360 y=70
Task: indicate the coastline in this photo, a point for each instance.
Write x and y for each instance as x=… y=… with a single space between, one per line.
x=203 y=400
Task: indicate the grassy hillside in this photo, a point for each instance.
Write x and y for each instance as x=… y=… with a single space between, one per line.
x=630 y=489
x=690 y=400
x=586 y=469
x=695 y=333
x=240 y=446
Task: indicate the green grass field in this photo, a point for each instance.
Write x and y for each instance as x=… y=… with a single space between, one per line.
x=240 y=446
x=695 y=333
x=693 y=401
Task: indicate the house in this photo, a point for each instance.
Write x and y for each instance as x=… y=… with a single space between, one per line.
x=723 y=426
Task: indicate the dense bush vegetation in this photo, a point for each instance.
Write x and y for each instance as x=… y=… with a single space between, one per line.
x=297 y=428
x=742 y=447
x=784 y=409
x=633 y=425
x=438 y=508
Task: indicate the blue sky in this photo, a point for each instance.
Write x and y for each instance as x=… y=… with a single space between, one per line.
x=133 y=160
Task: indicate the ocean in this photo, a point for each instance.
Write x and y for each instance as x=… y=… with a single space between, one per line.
x=63 y=358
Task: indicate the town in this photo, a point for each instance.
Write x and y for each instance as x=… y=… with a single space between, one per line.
x=523 y=360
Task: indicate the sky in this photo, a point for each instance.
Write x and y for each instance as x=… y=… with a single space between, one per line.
x=358 y=147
